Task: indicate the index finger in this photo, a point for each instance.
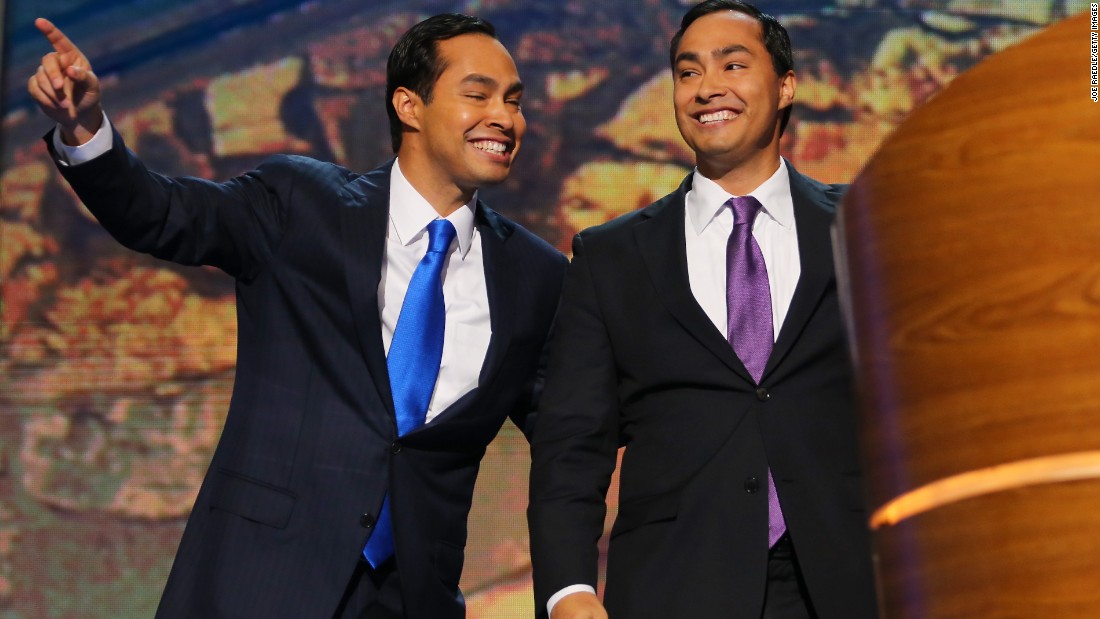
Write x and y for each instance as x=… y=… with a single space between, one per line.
x=60 y=42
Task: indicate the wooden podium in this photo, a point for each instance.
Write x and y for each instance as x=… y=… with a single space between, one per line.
x=969 y=260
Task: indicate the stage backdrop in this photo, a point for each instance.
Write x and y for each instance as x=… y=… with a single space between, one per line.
x=115 y=369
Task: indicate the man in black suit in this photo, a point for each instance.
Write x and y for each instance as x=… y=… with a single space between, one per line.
x=702 y=333
x=318 y=502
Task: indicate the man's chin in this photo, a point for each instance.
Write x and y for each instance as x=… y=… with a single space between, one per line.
x=489 y=178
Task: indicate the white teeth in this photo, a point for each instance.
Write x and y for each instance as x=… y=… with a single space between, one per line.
x=717 y=116
x=491 y=146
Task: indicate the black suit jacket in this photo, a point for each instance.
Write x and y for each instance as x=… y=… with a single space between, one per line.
x=309 y=448
x=635 y=362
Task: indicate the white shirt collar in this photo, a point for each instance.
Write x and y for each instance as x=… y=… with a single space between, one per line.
x=410 y=213
x=706 y=199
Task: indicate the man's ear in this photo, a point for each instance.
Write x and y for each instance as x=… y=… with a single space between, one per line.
x=408 y=105
x=787 y=86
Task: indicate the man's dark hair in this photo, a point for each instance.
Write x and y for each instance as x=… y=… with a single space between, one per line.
x=776 y=39
x=414 y=61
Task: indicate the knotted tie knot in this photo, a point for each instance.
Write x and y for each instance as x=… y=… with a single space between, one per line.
x=744 y=209
x=440 y=235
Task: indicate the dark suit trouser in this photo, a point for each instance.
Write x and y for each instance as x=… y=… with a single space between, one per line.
x=372 y=594
x=786 y=596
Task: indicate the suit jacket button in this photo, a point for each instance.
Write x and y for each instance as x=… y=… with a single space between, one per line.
x=762 y=394
x=366 y=521
x=751 y=485
x=395 y=448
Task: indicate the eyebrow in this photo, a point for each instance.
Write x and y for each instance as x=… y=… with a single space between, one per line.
x=718 y=53
x=488 y=82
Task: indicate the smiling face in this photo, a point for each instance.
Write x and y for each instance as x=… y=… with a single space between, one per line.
x=469 y=131
x=727 y=96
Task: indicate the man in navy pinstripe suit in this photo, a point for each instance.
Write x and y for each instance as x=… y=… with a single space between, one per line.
x=322 y=257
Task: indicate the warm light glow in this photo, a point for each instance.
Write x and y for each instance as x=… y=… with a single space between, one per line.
x=1046 y=470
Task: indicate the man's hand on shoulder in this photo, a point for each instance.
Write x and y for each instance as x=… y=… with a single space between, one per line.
x=581 y=605
x=65 y=87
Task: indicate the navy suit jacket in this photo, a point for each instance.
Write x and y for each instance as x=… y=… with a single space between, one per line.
x=309 y=448
x=636 y=362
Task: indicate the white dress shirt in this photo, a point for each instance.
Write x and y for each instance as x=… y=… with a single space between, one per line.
x=100 y=143
x=707 y=226
x=466 y=301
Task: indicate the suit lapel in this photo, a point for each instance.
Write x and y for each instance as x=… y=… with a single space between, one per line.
x=660 y=237
x=501 y=281
x=814 y=205
x=661 y=242
x=366 y=219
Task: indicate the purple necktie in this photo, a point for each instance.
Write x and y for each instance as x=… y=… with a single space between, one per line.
x=749 y=317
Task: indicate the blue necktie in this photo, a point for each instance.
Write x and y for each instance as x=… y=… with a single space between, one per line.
x=413 y=361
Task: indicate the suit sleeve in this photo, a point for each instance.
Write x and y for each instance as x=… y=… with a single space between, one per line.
x=233 y=225
x=525 y=414
x=575 y=440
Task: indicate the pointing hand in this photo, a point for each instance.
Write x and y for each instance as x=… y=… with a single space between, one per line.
x=66 y=88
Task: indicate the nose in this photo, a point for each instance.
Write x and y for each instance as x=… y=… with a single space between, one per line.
x=501 y=115
x=710 y=86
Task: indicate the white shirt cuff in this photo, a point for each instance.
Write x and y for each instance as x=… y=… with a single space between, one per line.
x=101 y=142
x=554 y=599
